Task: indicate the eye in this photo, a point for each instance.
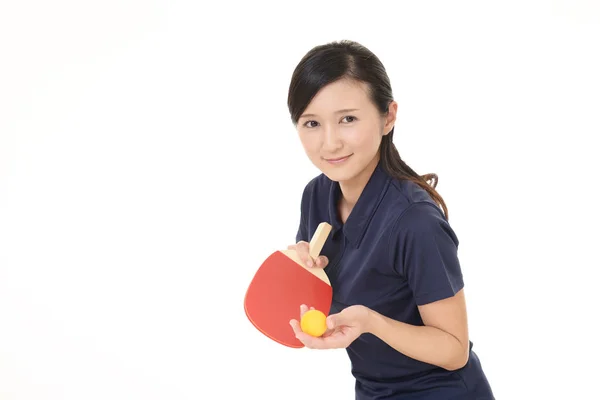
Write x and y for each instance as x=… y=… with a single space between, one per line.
x=352 y=118
x=308 y=122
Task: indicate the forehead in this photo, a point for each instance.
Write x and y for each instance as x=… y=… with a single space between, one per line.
x=342 y=94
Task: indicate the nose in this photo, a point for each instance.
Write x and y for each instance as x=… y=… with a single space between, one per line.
x=331 y=140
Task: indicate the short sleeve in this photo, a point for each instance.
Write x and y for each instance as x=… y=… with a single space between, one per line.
x=302 y=233
x=424 y=251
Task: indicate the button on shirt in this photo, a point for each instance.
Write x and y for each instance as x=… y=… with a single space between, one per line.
x=396 y=251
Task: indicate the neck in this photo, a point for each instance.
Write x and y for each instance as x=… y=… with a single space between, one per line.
x=352 y=189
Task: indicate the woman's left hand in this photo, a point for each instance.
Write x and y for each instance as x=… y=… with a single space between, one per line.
x=342 y=328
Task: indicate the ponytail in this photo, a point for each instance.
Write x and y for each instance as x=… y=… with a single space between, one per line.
x=393 y=164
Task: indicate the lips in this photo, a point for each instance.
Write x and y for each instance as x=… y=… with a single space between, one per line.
x=338 y=159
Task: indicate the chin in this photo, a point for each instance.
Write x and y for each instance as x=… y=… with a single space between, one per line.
x=345 y=172
x=338 y=174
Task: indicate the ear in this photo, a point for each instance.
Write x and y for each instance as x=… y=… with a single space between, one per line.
x=390 y=118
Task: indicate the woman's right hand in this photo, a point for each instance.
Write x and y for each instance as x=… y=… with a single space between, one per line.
x=302 y=250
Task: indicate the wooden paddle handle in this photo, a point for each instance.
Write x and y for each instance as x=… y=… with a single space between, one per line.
x=318 y=239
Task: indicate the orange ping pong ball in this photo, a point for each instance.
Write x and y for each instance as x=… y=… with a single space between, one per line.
x=313 y=322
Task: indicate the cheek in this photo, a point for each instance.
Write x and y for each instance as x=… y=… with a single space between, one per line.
x=310 y=143
x=364 y=139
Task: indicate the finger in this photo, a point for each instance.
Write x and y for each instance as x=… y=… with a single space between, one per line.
x=303 y=309
x=322 y=261
x=337 y=340
x=312 y=342
x=328 y=332
x=295 y=326
x=340 y=319
x=312 y=308
x=291 y=247
x=302 y=251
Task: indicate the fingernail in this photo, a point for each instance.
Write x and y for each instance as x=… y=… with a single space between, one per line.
x=310 y=263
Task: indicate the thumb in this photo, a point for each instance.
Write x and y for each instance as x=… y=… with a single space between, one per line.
x=337 y=320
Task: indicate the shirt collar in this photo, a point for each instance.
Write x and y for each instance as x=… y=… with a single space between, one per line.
x=364 y=209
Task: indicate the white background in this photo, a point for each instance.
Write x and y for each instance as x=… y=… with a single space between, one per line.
x=148 y=165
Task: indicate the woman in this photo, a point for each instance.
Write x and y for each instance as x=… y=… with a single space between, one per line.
x=398 y=304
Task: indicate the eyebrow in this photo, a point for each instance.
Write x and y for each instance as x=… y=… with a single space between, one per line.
x=345 y=110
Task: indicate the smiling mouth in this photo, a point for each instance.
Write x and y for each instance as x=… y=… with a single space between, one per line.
x=337 y=160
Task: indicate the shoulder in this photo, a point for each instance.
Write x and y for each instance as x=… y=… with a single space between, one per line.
x=314 y=200
x=316 y=189
x=319 y=184
x=422 y=245
x=408 y=194
x=413 y=212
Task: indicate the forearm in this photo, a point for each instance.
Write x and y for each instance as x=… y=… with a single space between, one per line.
x=424 y=343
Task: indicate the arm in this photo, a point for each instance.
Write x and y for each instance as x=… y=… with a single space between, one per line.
x=443 y=341
x=424 y=252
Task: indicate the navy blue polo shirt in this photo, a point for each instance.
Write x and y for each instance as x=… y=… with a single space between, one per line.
x=395 y=251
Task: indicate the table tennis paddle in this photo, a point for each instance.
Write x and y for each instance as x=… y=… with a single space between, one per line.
x=281 y=285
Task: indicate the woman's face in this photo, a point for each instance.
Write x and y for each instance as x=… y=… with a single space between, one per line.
x=341 y=130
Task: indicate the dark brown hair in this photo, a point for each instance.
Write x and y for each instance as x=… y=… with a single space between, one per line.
x=333 y=61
